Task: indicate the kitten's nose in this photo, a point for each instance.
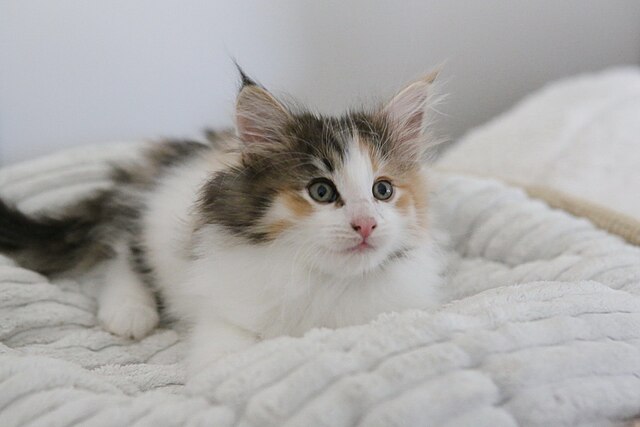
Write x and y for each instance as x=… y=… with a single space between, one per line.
x=364 y=225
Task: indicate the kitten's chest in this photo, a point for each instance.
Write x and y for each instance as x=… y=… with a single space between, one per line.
x=273 y=301
x=316 y=302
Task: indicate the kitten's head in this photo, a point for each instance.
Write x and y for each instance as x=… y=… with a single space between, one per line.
x=345 y=194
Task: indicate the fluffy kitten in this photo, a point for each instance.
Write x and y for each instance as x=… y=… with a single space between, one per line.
x=294 y=221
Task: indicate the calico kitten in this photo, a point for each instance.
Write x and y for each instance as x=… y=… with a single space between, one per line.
x=294 y=221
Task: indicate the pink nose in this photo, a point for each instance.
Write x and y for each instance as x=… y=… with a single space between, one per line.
x=364 y=226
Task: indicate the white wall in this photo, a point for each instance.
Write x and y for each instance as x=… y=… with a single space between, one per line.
x=76 y=71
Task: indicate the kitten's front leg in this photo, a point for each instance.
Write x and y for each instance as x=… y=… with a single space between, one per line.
x=212 y=339
x=127 y=307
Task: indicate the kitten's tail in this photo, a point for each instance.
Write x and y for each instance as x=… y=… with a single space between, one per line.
x=52 y=243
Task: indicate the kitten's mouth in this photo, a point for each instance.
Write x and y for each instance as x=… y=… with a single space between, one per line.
x=361 y=247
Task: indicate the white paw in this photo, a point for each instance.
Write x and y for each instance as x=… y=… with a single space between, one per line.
x=129 y=320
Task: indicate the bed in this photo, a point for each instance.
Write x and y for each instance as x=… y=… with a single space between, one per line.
x=543 y=329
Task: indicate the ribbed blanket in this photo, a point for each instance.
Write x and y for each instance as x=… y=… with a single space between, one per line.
x=544 y=330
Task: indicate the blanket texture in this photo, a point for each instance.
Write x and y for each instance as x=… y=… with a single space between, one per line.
x=578 y=136
x=544 y=330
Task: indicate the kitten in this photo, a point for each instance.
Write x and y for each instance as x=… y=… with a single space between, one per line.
x=294 y=221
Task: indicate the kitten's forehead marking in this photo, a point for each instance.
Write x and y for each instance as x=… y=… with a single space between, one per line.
x=357 y=173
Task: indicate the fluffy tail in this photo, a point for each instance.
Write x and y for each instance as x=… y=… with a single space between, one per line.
x=55 y=243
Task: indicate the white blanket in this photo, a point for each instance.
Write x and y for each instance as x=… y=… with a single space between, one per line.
x=545 y=331
x=580 y=136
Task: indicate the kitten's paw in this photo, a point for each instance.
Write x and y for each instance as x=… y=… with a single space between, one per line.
x=129 y=320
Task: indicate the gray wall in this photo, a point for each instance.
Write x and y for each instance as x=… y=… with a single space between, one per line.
x=74 y=71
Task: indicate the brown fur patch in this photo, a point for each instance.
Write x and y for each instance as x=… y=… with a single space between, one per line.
x=404 y=202
x=297 y=204
x=414 y=194
x=276 y=228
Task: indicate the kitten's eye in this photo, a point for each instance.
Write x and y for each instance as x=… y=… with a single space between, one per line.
x=323 y=191
x=382 y=190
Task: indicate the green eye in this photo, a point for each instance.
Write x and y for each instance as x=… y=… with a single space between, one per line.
x=323 y=191
x=382 y=190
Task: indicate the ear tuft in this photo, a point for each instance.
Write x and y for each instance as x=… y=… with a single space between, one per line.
x=245 y=80
x=406 y=112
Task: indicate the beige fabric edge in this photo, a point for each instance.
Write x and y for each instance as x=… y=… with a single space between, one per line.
x=614 y=222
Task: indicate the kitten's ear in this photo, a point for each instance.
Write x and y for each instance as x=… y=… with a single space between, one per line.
x=259 y=115
x=406 y=112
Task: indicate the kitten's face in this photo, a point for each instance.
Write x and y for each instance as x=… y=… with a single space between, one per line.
x=344 y=195
x=346 y=207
